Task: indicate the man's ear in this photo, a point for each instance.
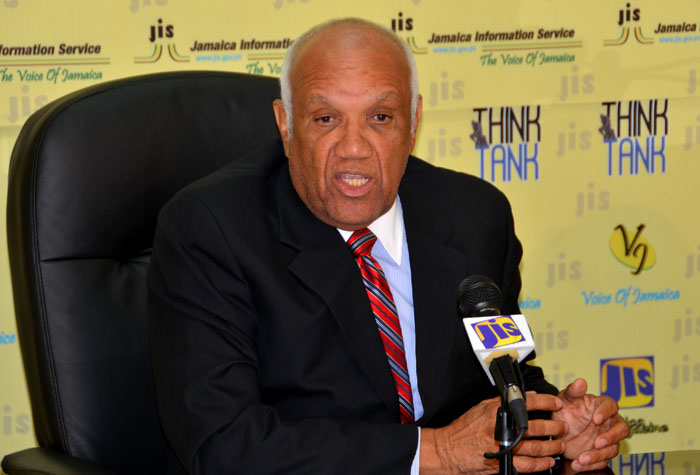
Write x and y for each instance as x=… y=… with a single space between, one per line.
x=281 y=119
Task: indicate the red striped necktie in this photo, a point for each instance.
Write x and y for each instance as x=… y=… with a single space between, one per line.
x=385 y=315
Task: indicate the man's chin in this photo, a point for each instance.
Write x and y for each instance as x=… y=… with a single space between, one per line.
x=352 y=222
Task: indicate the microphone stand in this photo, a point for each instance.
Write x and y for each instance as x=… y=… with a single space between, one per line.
x=506 y=431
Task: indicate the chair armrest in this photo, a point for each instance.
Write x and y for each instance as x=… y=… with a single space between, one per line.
x=46 y=461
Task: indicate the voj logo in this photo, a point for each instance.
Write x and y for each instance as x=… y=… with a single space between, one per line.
x=635 y=251
x=507 y=140
x=499 y=331
x=629 y=381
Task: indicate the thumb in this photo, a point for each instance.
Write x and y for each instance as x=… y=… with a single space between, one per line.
x=575 y=390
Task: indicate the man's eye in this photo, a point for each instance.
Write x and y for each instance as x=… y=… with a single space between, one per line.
x=325 y=119
x=381 y=117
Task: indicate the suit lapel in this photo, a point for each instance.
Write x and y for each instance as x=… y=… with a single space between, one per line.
x=325 y=264
x=436 y=270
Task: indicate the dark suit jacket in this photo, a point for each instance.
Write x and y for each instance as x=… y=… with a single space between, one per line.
x=266 y=355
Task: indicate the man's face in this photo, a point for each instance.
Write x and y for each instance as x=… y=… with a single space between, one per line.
x=351 y=126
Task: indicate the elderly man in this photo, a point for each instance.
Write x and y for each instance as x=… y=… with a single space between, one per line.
x=302 y=298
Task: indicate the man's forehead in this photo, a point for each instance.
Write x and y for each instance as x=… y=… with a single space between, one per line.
x=376 y=98
x=345 y=42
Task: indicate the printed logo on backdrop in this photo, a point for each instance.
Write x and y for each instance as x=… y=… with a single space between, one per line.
x=575 y=84
x=640 y=464
x=685 y=372
x=592 y=199
x=27 y=69
x=629 y=381
x=14 y=424
x=161 y=38
x=447 y=144
x=7 y=339
x=9 y=3
x=668 y=31
x=506 y=140
x=277 y=4
x=546 y=45
x=562 y=270
x=693 y=265
x=264 y=55
x=639 y=146
x=635 y=252
x=687 y=327
x=632 y=251
x=134 y=5
x=403 y=26
x=627 y=19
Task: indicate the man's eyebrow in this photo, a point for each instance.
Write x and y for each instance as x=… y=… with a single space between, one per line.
x=388 y=95
x=318 y=98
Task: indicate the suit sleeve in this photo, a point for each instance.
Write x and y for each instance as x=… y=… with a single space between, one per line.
x=510 y=287
x=203 y=323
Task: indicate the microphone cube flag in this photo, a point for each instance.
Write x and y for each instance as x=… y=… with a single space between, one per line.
x=496 y=336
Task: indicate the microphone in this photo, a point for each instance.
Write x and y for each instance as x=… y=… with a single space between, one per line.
x=500 y=342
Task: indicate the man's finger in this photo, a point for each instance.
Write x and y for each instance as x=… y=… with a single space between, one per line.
x=542 y=402
x=542 y=427
x=540 y=448
x=618 y=431
x=596 y=466
x=592 y=457
x=606 y=408
x=575 y=390
x=524 y=464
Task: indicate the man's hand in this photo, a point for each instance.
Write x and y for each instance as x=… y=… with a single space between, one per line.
x=460 y=447
x=595 y=428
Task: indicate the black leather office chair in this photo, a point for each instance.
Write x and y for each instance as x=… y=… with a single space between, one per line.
x=88 y=175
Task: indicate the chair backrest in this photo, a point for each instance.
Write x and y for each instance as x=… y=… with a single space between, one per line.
x=88 y=175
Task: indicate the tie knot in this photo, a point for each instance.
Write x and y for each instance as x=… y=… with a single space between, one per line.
x=361 y=242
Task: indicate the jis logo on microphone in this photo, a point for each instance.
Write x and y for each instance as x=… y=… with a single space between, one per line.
x=498 y=331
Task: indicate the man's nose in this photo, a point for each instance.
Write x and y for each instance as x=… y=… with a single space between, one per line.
x=353 y=142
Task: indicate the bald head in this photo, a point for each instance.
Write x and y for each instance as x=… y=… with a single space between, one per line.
x=349 y=33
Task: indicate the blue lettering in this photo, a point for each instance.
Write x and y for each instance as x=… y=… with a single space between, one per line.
x=613 y=388
x=630 y=382
x=7 y=338
x=627 y=154
x=624 y=464
x=488 y=338
x=632 y=150
x=532 y=160
x=498 y=330
x=512 y=329
x=658 y=463
x=481 y=158
x=646 y=385
x=639 y=462
x=495 y=161
x=519 y=161
x=661 y=153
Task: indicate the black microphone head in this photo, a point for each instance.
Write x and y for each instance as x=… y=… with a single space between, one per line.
x=478 y=296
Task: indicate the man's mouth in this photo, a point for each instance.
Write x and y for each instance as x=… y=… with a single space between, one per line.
x=354 y=180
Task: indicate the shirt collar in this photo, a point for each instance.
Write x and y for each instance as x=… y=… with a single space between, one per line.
x=389 y=230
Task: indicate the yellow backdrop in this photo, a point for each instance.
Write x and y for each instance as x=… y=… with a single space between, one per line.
x=584 y=113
